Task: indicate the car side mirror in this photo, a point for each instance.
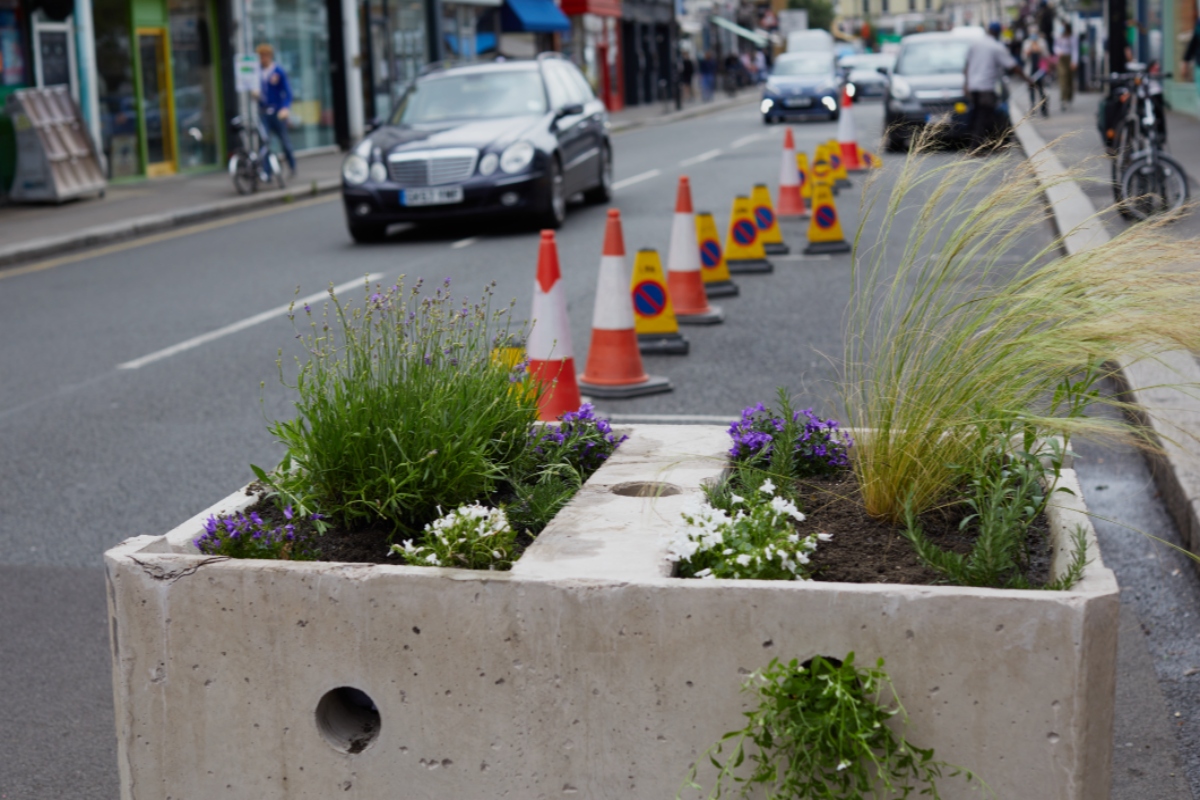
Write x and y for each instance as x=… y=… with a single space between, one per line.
x=882 y=71
x=569 y=110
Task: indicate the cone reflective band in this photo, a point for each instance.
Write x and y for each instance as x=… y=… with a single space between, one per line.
x=684 y=282
x=744 y=253
x=805 y=175
x=833 y=151
x=551 y=358
x=824 y=228
x=712 y=258
x=614 y=363
x=791 y=203
x=848 y=135
x=653 y=315
x=764 y=218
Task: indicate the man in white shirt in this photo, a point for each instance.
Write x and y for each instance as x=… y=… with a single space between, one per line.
x=987 y=62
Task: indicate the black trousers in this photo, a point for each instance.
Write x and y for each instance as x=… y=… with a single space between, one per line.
x=983 y=117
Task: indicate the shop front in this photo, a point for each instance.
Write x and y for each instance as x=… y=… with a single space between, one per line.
x=1183 y=89
x=594 y=44
x=395 y=46
x=648 y=39
x=470 y=30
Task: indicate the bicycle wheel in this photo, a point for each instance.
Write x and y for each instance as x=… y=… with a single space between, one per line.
x=1153 y=184
x=244 y=173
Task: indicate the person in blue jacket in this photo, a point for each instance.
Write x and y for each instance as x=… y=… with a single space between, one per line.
x=275 y=101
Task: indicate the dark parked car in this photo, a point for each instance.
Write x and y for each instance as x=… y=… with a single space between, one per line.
x=512 y=137
x=927 y=84
x=802 y=84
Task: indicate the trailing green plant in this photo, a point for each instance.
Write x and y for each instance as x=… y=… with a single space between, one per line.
x=541 y=496
x=1006 y=492
x=401 y=409
x=961 y=327
x=469 y=537
x=752 y=537
x=823 y=730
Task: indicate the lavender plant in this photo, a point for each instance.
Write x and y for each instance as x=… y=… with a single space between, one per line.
x=249 y=536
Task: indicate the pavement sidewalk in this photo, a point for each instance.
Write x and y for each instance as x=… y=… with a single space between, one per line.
x=137 y=209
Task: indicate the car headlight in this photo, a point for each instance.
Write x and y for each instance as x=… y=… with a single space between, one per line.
x=378 y=173
x=829 y=103
x=766 y=105
x=516 y=157
x=851 y=89
x=900 y=88
x=488 y=164
x=355 y=169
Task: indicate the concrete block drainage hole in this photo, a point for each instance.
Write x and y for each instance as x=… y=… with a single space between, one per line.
x=348 y=719
x=646 y=489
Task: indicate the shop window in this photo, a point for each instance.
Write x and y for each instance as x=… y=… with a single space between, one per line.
x=114 y=81
x=299 y=32
x=12 y=45
x=195 y=82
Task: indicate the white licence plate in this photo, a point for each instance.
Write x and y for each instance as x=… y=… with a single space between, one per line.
x=798 y=102
x=437 y=196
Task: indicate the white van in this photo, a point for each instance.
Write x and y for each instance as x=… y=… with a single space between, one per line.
x=809 y=41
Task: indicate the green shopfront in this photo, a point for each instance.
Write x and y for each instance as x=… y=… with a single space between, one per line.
x=1178 y=23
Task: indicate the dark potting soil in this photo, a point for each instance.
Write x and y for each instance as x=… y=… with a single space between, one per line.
x=867 y=550
x=369 y=544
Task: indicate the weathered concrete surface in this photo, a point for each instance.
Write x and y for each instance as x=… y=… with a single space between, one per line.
x=529 y=686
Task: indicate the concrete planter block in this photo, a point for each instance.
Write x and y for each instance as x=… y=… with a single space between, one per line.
x=586 y=671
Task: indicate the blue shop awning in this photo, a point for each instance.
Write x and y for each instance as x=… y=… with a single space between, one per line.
x=533 y=16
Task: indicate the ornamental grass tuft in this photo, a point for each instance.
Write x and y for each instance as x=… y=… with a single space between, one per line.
x=954 y=334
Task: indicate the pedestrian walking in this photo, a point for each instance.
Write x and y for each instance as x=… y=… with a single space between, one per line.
x=275 y=101
x=1036 y=57
x=987 y=63
x=1191 y=56
x=687 y=73
x=708 y=76
x=1066 y=51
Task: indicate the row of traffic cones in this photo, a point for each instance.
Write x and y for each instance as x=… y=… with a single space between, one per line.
x=647 y=319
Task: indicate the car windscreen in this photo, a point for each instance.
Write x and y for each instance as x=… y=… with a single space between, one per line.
x=932 y=58
x=476 y=95
x=803 y=66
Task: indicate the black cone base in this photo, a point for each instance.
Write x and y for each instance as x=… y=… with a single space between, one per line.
x=710 y=317
x=721 y=289
x=662 y=344
x=774 y=249
x=749 y=266
x=655 y=384
x=816 y=248
x=842 y=183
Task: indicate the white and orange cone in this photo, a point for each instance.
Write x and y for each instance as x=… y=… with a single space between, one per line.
x=685 y=284
x=551 y=357
x=614 y=363
x=790 y=204
x=847 y=135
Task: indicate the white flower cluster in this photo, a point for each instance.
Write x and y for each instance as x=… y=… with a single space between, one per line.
x=461 y=538
x=757 y=541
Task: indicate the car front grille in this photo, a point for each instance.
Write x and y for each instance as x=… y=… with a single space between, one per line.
x=432 y=167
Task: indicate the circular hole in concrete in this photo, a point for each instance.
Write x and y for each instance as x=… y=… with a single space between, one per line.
x=646 y=489
x=348 y=719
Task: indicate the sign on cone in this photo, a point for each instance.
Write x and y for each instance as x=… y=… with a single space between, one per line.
x=744 y=253
x=768 y=225
x=712 y=258
x=551 y=357
x=791 y=204
x=614 y=363
x=833 y=151
x=870 y=160
x=653 y=316
x=805 y=178
x=847 y=135
x=685 y=285
x=825 y=229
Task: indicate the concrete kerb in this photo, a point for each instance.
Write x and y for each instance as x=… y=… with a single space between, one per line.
x=154 y=223
x=1173 y=414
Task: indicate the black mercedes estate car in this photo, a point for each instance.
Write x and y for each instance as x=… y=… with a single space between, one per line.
x=508 y=137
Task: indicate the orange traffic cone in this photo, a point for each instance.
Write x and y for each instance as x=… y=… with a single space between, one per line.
x=551 y=358
x=614 y=363
x=791 y=204
x=847 y=136
x=684 y=282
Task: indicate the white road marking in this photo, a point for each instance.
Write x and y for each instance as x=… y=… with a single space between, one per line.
x=645 y=176
x=678 y=419
x=249 y=322
x=461 y=243
x=745 y=140
x=711 y=154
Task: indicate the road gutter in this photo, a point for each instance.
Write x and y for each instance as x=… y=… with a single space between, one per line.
x=1155 y=388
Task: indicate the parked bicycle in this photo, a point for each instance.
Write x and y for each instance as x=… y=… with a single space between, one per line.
x=252 y=163
x=1146 y=180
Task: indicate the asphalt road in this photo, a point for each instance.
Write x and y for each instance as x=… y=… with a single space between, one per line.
x=93 y=453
